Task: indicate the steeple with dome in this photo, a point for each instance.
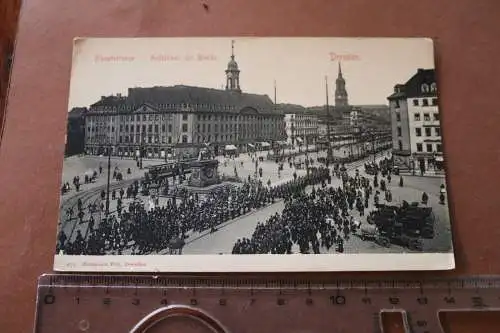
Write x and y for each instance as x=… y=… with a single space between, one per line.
x=232 y=73
x=340 y=91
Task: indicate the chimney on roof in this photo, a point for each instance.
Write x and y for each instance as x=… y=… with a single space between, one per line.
x=420 y=70
x=119 y=95
x=103 y=97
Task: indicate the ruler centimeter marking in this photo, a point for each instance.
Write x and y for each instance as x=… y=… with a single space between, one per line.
x=80 y=303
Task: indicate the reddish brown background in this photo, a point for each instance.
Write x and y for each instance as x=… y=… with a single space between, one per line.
x=9 y=11
x=467 y=35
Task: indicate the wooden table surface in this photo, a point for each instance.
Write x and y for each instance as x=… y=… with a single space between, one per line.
x=467 y=37
x=9 y=12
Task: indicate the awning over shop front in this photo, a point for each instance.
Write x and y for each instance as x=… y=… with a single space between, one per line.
x=251 y=145
x=230 y=147
x=299 y=139
x=265 y=144
x=439 y=159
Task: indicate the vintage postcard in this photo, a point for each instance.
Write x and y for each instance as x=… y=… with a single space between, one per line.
x=253 y=154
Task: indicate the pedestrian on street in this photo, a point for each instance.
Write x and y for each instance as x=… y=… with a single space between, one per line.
x=81 y=214
x=441 y=199
x=376 y=199
x=401 y=181
x=91 y=223
x=425 y=198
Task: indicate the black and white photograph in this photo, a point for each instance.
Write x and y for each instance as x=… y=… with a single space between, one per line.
x=253 y=154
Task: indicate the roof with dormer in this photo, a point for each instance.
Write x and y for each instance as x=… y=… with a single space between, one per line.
x=198 y=98
x=413 y=87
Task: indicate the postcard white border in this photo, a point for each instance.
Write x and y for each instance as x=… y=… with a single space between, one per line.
x=257 y=263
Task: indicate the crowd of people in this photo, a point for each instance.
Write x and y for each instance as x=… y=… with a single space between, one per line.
x=321 y=220
x=144 y=231
x=316 y=218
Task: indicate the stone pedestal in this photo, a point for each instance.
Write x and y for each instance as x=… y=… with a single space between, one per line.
x=204 y=173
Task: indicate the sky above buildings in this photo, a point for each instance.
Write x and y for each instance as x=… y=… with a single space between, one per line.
x=370 y=66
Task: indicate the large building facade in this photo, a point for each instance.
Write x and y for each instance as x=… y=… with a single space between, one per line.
x=301 y=126
x=178 y=120
x=416 y=131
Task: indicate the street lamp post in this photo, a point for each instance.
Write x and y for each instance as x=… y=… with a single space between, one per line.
x=141 y=150
x=108 y=181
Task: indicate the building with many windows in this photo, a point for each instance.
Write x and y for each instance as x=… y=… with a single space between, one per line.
x=301 y=125
x=158 y=121
x=416 y=131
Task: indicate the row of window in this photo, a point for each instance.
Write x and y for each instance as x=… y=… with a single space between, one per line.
x=425 y=102
x=425 y=88
x=416 y=102
x=168 y=140
x=428 y=147
x=200 y=128
x=427 y=116
x=171 y=106
x=416 y=116
x=427 y=130
x=230 y=127
x=100 y=129
x=305 y=124
x=149 y=139
x=163 y=117
x=136 y=128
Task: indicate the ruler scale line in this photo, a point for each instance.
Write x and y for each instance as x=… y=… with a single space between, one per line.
x=243 y=304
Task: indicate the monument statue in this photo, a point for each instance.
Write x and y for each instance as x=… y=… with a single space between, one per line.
x=205 y=153
x=204 y=170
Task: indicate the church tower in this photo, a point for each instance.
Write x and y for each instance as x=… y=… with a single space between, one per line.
x=232 y=73
x=340 y=91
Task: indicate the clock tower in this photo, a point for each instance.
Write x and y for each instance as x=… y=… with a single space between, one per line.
x=233 y=73
x=340 y=91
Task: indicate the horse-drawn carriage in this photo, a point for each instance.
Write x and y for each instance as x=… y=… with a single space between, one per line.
x=407 y=225
x=371 y=168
